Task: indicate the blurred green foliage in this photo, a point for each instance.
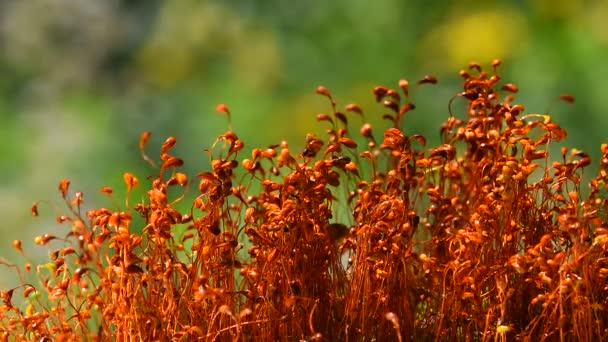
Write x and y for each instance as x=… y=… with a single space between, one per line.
x=80 y=80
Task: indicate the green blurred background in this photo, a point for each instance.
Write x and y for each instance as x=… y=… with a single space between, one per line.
x=80 y=80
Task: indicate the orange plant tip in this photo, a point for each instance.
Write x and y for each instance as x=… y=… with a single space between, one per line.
x=405 y=86
x=428 y=79
x=354 y=108
x=130 y=180
x=510 y=87
x=106 y=190
x=39 y=240
x=222 y=108
x=167 y=145
x=35 y=209
x=567 y=98
x=43 y=239
x=380 y=92
x=64 y=185
x=143 y=139
x=322 y=90
x=17 y=245
x=391 y=316
x=181 y=178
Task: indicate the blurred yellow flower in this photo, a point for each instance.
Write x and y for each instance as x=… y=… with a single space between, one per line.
x=185 y=34
x=474 y=36
x=256 y=60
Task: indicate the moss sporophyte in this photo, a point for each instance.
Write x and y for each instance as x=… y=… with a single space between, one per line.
x=358 y=236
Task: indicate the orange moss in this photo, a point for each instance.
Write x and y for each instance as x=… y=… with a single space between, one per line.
x=453 y=242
